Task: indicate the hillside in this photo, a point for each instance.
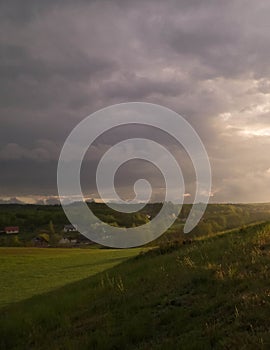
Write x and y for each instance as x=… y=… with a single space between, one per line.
x=211 y=294
x=49 y=220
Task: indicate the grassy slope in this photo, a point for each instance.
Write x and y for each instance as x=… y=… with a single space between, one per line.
x=212 y=294
x=29 y=271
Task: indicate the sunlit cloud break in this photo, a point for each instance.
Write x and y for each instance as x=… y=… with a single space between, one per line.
x=256 y=132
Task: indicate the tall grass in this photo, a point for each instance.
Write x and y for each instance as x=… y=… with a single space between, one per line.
x=210 y=294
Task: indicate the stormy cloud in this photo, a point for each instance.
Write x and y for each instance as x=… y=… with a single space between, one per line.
x=207 y=60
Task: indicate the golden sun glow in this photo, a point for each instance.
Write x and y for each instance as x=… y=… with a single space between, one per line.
x=256 y=132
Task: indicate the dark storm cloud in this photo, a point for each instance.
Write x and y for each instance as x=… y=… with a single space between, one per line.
x=17 y=62
x=142 y=87
x=208 y=60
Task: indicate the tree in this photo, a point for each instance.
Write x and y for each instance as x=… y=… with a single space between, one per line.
x=51 y=227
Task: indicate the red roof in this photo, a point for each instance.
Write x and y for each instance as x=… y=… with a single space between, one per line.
x=12 y=228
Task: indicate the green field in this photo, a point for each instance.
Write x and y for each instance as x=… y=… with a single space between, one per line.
x=211 y=294
x=29 y=271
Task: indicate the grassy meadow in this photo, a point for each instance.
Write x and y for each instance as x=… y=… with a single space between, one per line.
x=211 y=294
x=29 y=271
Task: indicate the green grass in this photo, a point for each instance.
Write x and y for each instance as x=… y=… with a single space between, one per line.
x=211 y=294
x=29 y=271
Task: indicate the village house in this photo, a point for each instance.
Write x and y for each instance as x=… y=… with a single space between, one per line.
x=70 y=228
x=64 y=240
x=11 y=229
x=41 y=240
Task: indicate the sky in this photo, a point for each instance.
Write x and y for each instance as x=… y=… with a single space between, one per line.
x=207 y=60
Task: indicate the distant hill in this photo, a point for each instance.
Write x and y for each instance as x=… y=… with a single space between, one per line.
x=33 y=219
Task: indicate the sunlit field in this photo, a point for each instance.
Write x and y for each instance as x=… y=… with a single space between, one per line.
x=210 y=294
x=29 y=271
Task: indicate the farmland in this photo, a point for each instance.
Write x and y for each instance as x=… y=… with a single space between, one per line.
x=26 y=272
x=211 y=294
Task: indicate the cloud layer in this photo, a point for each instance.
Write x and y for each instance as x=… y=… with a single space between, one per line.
x=207 y=60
